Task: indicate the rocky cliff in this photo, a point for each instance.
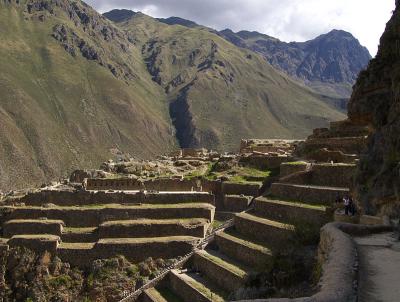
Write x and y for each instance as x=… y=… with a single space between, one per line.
x=329 y=63
x=376 y=102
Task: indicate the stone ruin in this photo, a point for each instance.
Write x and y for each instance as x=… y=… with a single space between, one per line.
x=174 y=216
x=342 y=142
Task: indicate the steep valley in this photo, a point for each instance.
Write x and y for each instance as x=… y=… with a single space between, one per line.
x=77 y=89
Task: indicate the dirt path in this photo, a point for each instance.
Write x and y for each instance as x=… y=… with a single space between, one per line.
x=379 y=275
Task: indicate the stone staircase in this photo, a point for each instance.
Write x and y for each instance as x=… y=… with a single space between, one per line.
x=248 y=247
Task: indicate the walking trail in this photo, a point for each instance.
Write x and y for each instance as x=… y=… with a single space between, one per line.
x=379 y=270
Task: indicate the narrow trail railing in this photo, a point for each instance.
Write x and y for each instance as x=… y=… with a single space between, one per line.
x=201 y=245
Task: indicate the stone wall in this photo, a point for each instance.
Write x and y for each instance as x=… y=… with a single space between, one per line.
x=82 y=197
x=139 y=229
x=89 y=217
x=309 y=194
x=236 y=203
x=339 y=175
x=329 y=175
x=326 y=156
x=114 y=184
x=264 y=161
x=348 y=145
x=238 y=189
x=219 y=274
x=290 y=168
x=18 y=227
x=135 y=250
x=186 y=292
x=338 y=257
x=37 y=243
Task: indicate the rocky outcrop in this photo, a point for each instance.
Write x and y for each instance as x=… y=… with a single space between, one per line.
x=329 y=63
x=376 y=103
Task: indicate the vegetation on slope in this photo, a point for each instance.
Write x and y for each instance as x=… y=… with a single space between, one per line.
x=220 y=93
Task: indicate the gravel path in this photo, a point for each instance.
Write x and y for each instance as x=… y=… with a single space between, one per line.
x=379 y=275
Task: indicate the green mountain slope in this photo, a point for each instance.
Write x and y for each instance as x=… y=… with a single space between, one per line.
x=76 y=88
x=219 y=93
x=63 y=109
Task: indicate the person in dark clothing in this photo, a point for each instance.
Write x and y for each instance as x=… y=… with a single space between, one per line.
x=338 y=199
x=352 y=206
x=346 y=201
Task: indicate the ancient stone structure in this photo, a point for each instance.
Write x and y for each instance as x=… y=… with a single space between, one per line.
x=344 y=141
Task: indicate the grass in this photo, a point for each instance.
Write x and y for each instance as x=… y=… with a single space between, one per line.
x=168 y=295
x=120 y=206
x=295 y=163
x=232 y=268
x=184 y=222
x=205 y=291
x=234 y=237
x=146 y=240
x=266 y=221
x=79 y=230
x=296 y=203
x=216 y=223
x=241 y=175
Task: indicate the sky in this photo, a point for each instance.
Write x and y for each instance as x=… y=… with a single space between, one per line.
x=287 y=20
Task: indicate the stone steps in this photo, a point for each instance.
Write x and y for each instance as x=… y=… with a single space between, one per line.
x=80 y=235
x=152 y=295
x=93 y=216
x=196 y=227
x=241 y=249
x=218 y=268
x=290 y=212
x=192 y=287
x=309 y=194
x=37 y=243
x=85 y=198
x=32 y=226
x=236 y=203
x=134 y=249
x=271 y=232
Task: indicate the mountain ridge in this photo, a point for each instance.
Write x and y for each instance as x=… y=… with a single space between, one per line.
x=316 y=62
x=77 y=89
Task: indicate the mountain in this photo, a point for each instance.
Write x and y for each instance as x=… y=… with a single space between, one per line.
x=178 y=21
x=329 y=63
x=218 y=93
x=119 y=15
x=77 y=88
x=73 y=91
x=375 y=103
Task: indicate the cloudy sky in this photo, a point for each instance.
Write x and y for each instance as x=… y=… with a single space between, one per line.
x=288 y=20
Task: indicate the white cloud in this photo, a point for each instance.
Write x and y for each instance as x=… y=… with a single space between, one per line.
x=288 y=20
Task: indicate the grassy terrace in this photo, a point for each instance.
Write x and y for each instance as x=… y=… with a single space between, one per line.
x=266 y=221
x=168 y=295
x=237 y=174
x=238 y=238
x=295 y=163
x=204 y=286
x=120 y=206
x=79 y=230
x=229 y=266
x=147 y=240
x=77 y=245
x=292 y=203
x=41 y=221
x=184 y=222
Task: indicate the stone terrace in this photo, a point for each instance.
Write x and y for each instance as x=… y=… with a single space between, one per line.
x=81 y=226
x=248 y=247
